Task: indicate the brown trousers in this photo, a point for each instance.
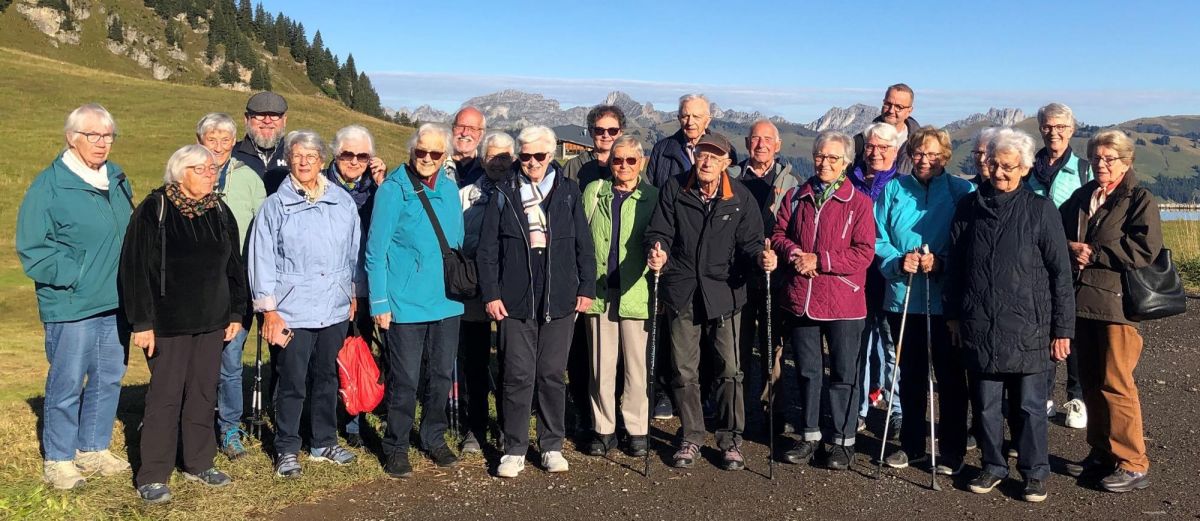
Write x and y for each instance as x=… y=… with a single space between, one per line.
x=1108 y=354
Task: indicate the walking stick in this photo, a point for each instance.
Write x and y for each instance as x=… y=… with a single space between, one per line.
x=770 y=354
x=895 y=370
x=933 y=483
x=256 y=402
x=650 y=370
x=454 y=424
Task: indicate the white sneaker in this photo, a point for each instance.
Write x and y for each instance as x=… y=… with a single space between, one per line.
x=510 y=466
x=1076 y=414
x=1049 y=408
x=62 y=475
x=100 y=461
x=554 y=461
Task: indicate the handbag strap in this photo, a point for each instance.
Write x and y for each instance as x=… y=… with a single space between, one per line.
x=419 y=188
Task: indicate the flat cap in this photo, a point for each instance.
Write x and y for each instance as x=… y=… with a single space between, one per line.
x=266 y=102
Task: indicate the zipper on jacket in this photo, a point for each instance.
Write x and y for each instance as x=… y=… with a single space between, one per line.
x=816 y=228
x=528 y=255
x=546 y=286
x=846 y=228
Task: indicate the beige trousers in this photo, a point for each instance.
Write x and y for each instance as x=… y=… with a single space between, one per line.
x=609 y=336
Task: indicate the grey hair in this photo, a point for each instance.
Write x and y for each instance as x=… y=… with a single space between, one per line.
x=76 y=118
x=985 y=136
x=496 y=138
x=629 y=142
x=834 y=136
x=215 y=121
x=186 y=156
x=482 y=116
x=353 y=132
x=1055 y=110
x=437 y=129
x=884 y=131
x=693 y=97
x=535 y=133
x=1009 y=139
x=308 y=139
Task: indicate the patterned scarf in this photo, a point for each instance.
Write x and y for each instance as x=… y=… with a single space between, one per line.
x=531 y=201
x=824 y=191
x=190 y=208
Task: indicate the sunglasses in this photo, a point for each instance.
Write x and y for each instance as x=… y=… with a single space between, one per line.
x=351 y=156
x=434 y=155
x=540 y=156
x=612 y=131
x=618 y=161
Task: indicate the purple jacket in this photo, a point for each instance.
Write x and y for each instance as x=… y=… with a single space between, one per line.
x=842 y=234
x=876 y=187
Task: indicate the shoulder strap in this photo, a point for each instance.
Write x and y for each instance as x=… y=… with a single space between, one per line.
x=419 y=188
x=162 y=245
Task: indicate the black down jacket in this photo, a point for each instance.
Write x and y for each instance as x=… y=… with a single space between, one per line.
x=1010 y=283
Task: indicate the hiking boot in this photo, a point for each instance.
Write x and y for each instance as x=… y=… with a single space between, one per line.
x=897 y=460
x=685 y=457
x=333 y=454
x=972 y=443
x=662 y=407
x=62 y=475
x=733 y=459
x=984 y=482
x=211 y=477
x=553 y=461
x=601 y=444
x=443 y=457
x=288 y=466
x=100 y=461
x=949 y=468
x=1122 y=480
x=470 y=445
x=894 y=427
x=231 y=444
x=154 y=493
x=1076 y=414
x=801 y=452
x=354 y=440
x=638 y=445
x=1035 y=491
x=397 y=465
x=510 y=466
x=839 y=457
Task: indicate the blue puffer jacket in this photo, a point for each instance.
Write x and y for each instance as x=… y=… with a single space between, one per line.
x=909 y=214
x=304 y=256
x=404 y=259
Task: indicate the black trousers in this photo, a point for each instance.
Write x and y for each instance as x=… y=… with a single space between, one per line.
x=1027 y=394
x=436 y=343
x=579 y=373
x=845 y=365
x=535 y=366
x=179 y=405
x=474 y=357
x=308 y=372
x=951 y=387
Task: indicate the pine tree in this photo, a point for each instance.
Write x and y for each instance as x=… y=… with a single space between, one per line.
x=344 y=83
x=260 y=78
x=281 y=31
x=229 y=73
x=262 y=23
x=315 y=60
x=116 y=31
x=245 y=16
x=366 y=100
x=210 y=49
x=271 y=41
x=299 y=43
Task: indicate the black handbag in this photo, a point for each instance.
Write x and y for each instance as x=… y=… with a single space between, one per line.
x=462 y=280
x=1155 y=291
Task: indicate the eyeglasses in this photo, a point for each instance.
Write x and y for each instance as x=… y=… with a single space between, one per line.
x=1107 y=160
x=351 y=156
x=1046 y=129
x=612 y=131
x=762 y=139
x=209 y=169
x=882 y=148
x=708 y=156
x=213 y=142
x=265 y=116
x=539 y=157
x=95 y=137
x=618 y=161
x=979 y=153
x=917 y=156
x=306 y=158
x=892 y=106
x=1005 y=168
x=821 y=158
x=433 y=154
x=465 y=128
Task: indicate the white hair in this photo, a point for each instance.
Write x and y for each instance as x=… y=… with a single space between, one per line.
x=693 y=97
x=884 y=131
x=834 y=136
x=437 y=129
x=985 y=136
x=353 y=132
x=629 y=142
x=1055 y=110
x=496 y=138
x=1009 y=139
x=77 y=117
x=189 y=155
x=215 y=122
x=307 y=139
x=533 y=134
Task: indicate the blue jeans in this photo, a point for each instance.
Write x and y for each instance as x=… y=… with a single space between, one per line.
x=79 y=416
x=230 y=394
x=879 y=361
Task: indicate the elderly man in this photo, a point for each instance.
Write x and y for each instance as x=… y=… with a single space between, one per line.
x=266 y=124
x=674 y=155
x=897 y=112
x=709 y=227
x=469 y=126
x=605 y=123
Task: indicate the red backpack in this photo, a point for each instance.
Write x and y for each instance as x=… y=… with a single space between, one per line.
x=358 y=375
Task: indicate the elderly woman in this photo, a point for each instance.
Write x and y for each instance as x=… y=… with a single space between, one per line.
x=497 y=152
x=1112 y=226
x=978 y=170
x=69 y=233
x=618 y=211
x=1009 y=307
x=357 y=170
x=912 y=213
x=408 y=294
x=304 y=274
x=183 y=288
x=826 y=231
x=605 y=124
x=537 y=270
x=242 y=191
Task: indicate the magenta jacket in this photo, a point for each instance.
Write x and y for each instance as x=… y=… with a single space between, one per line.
x=842 y=234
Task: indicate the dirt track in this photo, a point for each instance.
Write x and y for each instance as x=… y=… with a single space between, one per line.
x=1168 y=379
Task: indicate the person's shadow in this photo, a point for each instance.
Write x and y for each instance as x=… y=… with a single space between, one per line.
x=130 y=408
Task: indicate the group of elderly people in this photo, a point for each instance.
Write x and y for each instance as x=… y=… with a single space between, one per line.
x=881 y=271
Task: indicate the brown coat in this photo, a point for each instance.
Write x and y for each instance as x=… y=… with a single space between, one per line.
x=1124 y=234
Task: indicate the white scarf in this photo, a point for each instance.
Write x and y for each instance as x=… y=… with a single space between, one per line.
x=531 y=201
x=98 y=178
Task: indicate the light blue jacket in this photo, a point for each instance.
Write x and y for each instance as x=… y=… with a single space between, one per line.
x=1065 y=183
x=404 y=259
x=907 y=215
x=304 y=256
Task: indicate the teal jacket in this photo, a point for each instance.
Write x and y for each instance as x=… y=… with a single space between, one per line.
x=404 y=260
x=69 y=237
x=1065 y=183
x=243 y=194
x=909 y=214
x=635 y=216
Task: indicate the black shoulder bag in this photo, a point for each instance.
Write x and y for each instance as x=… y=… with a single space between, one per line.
x=1155 y=291
x=462 y=281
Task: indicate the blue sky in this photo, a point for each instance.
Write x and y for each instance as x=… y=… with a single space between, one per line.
x=1111 y=61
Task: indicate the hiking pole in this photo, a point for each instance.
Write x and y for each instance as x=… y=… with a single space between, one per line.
x=454 y=426
x=933 y=483
x=650 y=370
x=256 y=403
x=895 y=372
x=770 y=354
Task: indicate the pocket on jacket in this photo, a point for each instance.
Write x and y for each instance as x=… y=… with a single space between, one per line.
x=853 y=287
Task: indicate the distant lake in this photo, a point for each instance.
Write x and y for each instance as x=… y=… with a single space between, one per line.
x=1180 y=215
